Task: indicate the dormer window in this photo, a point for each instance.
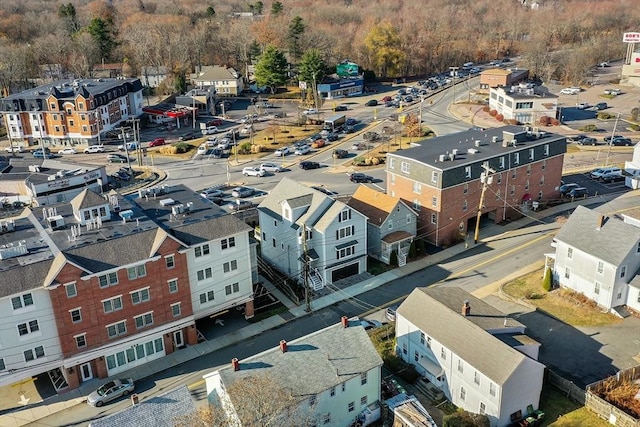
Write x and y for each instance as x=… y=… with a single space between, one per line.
x=286 y=213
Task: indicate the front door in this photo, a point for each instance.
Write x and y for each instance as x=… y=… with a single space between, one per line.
x=178 y=339
x=85 y=372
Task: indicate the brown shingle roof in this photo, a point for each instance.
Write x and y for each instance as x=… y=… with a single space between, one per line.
x=373 y=204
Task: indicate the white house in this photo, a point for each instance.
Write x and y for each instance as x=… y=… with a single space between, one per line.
x=632 y=169
x=336 y=234
x=153 y=76
x=334 y=373
x=479 y=358
x=522 y=103
x=599 y=256
x=226 y=81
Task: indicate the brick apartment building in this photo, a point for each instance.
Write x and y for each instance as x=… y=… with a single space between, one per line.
x=441 y=178
x=69 y=112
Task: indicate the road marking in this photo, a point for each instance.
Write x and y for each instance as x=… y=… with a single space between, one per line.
x=195 y=385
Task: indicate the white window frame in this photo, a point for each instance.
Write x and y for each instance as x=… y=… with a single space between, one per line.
x=29 y=327
x=72 y=311
x=77 y=338
x=202 y=250
x=136 y=272
x=71 y=290
x=405 y=167
x=176 y=309
x=113 y=305
x=170 y=261
x=228 y=243
x=170 y=283
x=230 y=266
x=23 y=301
x=120 y=328
x=146 y=320
x=141 y=295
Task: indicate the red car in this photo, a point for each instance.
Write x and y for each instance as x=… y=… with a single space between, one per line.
x=386 y=99
x=157 y=142
x=214 y=122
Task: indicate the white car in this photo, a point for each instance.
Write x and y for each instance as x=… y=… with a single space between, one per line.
x=583 y=106
x=253 y=171
x=209 y=130
x=282 y=151
x=94 y=149
x=570 y=91
x=271 y=167
x=302 y=150
x=129 y=146
x=212 y=141
x=203 y=149
x=265 y=104
x=310 y=111
x=224 y=144
x=14 y=149
x=68 y=150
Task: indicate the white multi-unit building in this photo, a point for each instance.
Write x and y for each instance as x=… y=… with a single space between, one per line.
x=523 y=103
x=333 y=374
x=334 y=237
x=480 y=359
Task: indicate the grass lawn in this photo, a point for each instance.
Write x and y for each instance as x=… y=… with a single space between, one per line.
x=563 y=304
x=560 y=411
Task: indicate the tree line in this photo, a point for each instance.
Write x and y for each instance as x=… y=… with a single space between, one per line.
x=561 y=40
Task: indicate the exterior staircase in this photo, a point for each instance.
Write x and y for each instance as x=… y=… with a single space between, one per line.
x=315 y=280
x=429 y=390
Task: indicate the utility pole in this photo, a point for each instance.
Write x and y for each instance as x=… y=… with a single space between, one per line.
x=305 y=270
x=453 y=74
x=486 y=178
x=613 y=132
x=126 y=149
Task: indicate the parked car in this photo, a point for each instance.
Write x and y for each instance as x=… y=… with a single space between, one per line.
x=253 y=171
x=215 y=122
x=614 y=92
x=340 y=153
x=371 y=103
x=282 y=151
x=68 y=150
x=210 y=130
x=92 y=149
x=583 y=105
x=241 y=192
x=578 y=192
x=310 y=111
x=601 y=106
x=271 y=167
x=240 y=205
x=609 y=138
x=116 y=158
x=588 y=141
x=565 y=188
x=386 y=99
x=360 y=177
x=390 y=312
x=576 y=138
x=570 y=91
x=341 y=108
x=14 y=149
x=211 y=193
x=157 y=142
x=302 y=150
x=39 y=154
x=110 y=391
x=622 y=142
x=309 y=165
x=605 y=174
x=187 y=136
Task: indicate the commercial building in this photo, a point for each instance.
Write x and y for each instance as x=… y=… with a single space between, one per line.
x=442 y=178
x=523 y=104
x=225 y=81
x=69 y=112
x=500 y=77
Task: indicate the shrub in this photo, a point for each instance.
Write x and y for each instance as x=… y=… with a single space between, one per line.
x=588 y=128
x=546 y=281
x=493 y=113
x=635 y=114
x=244 y=148
x=465 y=419
x=605 y=116
x=634 y=127
x=359 y=161
x=499 y=117
x=544 y=120
x=257 y=148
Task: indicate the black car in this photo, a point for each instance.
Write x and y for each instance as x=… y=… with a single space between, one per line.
x=360 y=177
x=340 y=154
x=371 y=103
x=622 y=142
x=351 y=121
x=588 y=141
x=187 y=136
x=578 y=192
x=609 y=138
x=341 y=108
x=577 y=138
x=332 y=137
x=309 y=165
x=601 y=106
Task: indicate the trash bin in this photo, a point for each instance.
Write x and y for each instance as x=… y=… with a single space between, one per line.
x=134 y=399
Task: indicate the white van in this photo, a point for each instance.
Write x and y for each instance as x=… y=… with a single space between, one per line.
x=209 y=130
x=606 y=174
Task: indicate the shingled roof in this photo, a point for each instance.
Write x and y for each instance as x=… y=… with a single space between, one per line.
x=375 y=205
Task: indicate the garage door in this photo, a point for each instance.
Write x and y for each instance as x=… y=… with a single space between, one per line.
x=343 y=272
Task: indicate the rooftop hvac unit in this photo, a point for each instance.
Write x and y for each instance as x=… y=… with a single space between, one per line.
x=442 y=157
x=7 y=226
x=126 y=215
x=12 y=250
x=494 y=139
x=167 y=202
x=177 y=209
x=477 y=143
x=454 y=151
x=472 y=150
x=34 y=168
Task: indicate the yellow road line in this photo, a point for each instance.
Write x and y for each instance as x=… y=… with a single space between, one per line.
x=195 y=385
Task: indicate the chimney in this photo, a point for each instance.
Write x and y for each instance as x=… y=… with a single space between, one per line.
x=466 y=308
x=235 y=364
x=345 y=321
x=600 y=222
x=283 y=346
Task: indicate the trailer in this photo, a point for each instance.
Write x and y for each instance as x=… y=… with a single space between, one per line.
x=335 y=123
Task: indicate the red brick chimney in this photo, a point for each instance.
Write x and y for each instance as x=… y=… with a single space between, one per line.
x=345 y=321
x=283 y=346
x=235 y=364
x=466 y=308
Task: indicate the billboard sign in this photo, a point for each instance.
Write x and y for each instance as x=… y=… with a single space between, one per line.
x=631 y=38
x=347 y=69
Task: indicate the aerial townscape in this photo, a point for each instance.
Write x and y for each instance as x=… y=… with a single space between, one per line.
x=305 y=214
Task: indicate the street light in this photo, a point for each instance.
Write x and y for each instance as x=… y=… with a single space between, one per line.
x=453 y=74
x=123 y=136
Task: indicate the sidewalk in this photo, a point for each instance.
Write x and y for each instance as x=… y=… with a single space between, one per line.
x=23 y=416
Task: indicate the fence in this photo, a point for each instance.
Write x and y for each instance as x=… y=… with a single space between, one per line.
x=608 y=411
x=573 y=391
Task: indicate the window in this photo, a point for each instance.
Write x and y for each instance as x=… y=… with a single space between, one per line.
x=516 y=158
x=542 y=180
x=434 y=201
x=531 y=156
x=113 y=304
x=422 y=338
x=528 y=170
x=343 y=232
x=499 y=178
x=175 y=309
x=351 y=406
x=476 y=378
x=170 y=261
x=623 y=271
x=201 y=250
x=363 y=378
x=546 y=149
x=344 y=215
x=144 y=320
x=70 y=122
x=463 y=393
x=140 y=295
x=434 y=177
x=501 y=162
x=332 y=391
x=344 y=387
x=206 y=297
x=173 y=286
x=498 y=194
x=76 y=315
x=22 y=301
x=417 y=188
x=81 y=340
x=464 y=206
x=443 y=353
x=136 y=272
x=513 y=190
x=204 y=274
x=526 y=186
x=492 y=389
x=232 y=289
x=117 y=329
x=228 y=243
x=363 y=400
x=467 y=172
x=392 y=163
x=273 y=242
x=404 y=167
x=514 y=173
x=312 y=400
x=390 y=224
x=36 y=353
x=326 y=419
x=408 y=218
x=230 y=266
x=596 y=290
x=416 y=204
x=544 y=164
x=638 y=248
x=70 y=289
x=345 y=252
x=600 y=267
x=465 y=189
x=483 y=408
x=428 y=342
x=569 y=253
x=107 y=280
x=567 y=273
x=434 y=218
x=28 y=327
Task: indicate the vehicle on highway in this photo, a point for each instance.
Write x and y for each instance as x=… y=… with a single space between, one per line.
x=318 y=143
x=210 y=130
x=187 y=136
x=339 y=153
x=371 y=103
x=370 y=324
x=211 y=193
x=224 y=144
x=302 y=150
x=578 y=192
x=202 y=149
x=253 y=171
x=157 y=142
x=605 y=174
x=390 y=312
x=565 y=188
x=242 y=192
x=129 y=146
x=271 y=167
x=110 y=391
x=309 y=165
x=310 y=111
x=217 y=153
x=240 y=205
x=601 y=106
x=361 y=146
x=212 y=141
x=351 y=121
x=588 y=141
x=282 y=151
x=116 y=158
x=68 y=150
x=14 y=149
x=360 y=177
x=570 y=91
x=92 y=149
